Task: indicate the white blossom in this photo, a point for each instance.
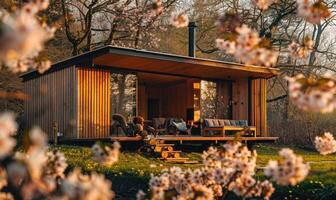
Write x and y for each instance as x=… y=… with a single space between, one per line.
x=157 y=7
x=226 y=46
x=56 y=164
x=289 y=171
x=78 y=186
x=263 y=4
x=8 y=128
x=179 y=20
x=8 y=125
x=35 y=158
x=229 y=168
x=325 y=144
x=140 y=195
x=245 y=48
x=6 y=196
x=313 y=12
x=312 y=95
x=23 y=36
x=301 y=50
x=106 y=155
x=6 y=145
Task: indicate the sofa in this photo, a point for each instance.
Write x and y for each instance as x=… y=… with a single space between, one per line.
x=212 y=126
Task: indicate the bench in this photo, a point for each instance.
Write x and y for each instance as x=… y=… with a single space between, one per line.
x=222 y=125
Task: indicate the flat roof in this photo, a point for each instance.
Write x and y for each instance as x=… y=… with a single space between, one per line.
x=160 y=63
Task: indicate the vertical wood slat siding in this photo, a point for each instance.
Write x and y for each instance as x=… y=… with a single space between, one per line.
x=263 y=109
x=258 y=106
x=49 y=102
x=93 y=100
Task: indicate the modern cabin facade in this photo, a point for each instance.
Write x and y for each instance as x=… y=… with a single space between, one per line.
x=80 y=94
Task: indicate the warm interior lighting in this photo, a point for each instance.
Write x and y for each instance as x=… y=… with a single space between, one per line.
x=197 y=85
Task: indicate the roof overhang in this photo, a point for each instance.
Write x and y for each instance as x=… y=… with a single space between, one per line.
x=161 y=63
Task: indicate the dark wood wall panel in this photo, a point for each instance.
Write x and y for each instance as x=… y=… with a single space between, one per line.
x=93 y=100
x=174 y=99
x=142 y=101
x=240 y=99
x=258 y=110
x=51 y=100
x=224 y=95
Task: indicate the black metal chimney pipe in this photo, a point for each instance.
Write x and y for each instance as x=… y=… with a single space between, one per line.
x=191 y=39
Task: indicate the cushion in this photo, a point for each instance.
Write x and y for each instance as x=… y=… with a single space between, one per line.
x=177 y=120
x=211 y=123
x=215 y=122
x=208 y=122
x=159 y=123
x=234 y=122
x=243 y=123
x=221 y=122
x=181 y=126
x=227 y=122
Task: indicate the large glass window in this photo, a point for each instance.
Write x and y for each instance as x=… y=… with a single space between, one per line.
x=214 y=100
x=123 y=94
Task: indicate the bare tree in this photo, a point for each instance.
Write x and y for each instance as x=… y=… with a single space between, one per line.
x=94 y=23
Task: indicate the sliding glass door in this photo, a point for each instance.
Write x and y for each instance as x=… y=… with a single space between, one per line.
x=123 y=90
x=216 y=99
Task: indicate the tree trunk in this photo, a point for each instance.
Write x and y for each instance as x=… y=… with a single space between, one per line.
x=74 y=49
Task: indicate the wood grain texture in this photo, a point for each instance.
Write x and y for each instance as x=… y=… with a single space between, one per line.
x=93 y=100
x=50 y=101
x=240 y=99
x=175 y=65
x=258 y=105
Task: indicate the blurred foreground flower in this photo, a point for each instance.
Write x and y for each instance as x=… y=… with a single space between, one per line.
x=301 y=50
x=8 y=128
x=263 y=4
x=290 y=170
x=56 y=164
x=156 y=7
x=311 y=94
x=325 y=144
x=231 y=168
x=6 y=196
x=246 y=46
x=313 y=12
x=179 y=20
x=22 y=38
x=228 y=22
x=106 y=155
x=37 y=173
x=78 y=186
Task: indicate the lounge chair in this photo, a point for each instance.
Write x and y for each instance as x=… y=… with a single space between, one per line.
x=159 y=124
x=121 y=128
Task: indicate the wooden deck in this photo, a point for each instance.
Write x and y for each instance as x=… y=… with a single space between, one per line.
x=186 y=138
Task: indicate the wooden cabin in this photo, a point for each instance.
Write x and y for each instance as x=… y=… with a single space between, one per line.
x=79 y=95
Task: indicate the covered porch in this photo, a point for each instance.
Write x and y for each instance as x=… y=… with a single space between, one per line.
x=192 y=89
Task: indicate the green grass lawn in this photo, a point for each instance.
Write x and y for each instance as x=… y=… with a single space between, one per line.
x=133 y=170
